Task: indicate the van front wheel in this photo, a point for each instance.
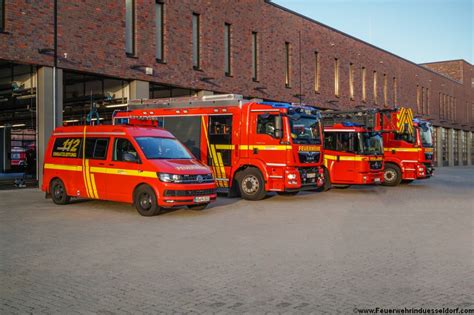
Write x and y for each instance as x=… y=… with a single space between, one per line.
x=58 y=192
x=145 y=201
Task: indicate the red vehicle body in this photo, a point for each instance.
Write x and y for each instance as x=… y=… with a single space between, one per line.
x=408 y=147
x=353 y=155
x=145 y=166
x=253 y=147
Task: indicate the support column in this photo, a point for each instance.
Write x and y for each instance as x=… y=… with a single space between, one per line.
x=5 y=149
x=139 y=90
x=450 y=147
x=439 y=147
x=49 y=115
x=469 y=147
x=459 y=137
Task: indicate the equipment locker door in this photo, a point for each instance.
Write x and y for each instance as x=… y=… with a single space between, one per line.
x=220 y=148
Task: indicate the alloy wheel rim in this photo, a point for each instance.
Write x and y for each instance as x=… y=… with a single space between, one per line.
x=145 y=201
x=58 y=192
x=389 y=175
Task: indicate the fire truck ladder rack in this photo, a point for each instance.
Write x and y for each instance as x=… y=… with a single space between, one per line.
x=191 y=102
x=363 y=117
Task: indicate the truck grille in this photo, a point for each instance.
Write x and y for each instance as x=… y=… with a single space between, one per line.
x=189 y=193
x=309 y=157
x=429 y=156
x=193 y=179
x=375 y=165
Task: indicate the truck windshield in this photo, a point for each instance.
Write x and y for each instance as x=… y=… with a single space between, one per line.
x=305 y=130
x=162 y=148
x=370 y=143
x=426 y=136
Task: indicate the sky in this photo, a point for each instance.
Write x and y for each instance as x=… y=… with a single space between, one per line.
x=417 y=30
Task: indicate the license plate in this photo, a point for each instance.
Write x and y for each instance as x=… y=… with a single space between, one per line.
x=376 y=180
x=311 y=175
x=202 y=199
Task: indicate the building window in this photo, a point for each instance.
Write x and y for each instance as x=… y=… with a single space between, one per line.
x=227 y=50
x=196 y=41
x=423 y=100
x=316 y=72
x=336 y=77
x=254 y=56
x=395 y=91
x=427 y=96
x=130 y=27
x=375 y=88
x=288 y=64
x=440 y=105
x=159 y=20
x=385 y=91
x=364 y=84
x=2 y=15
x=418 y=101
x=351 y=81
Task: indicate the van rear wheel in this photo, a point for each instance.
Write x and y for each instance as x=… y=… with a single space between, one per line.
x=251 y=184
x=58 y=192
x=145 y=201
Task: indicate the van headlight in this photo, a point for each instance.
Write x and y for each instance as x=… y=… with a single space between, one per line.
x=170 y=178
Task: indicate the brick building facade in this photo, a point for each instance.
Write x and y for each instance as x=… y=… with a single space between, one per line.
x=250 y=47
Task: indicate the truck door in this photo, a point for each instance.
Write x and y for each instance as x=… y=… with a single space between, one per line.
x=220 y=148
x=264 y=142
x=339 y=156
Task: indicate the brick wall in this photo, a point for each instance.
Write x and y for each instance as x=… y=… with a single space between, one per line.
x=92 y=34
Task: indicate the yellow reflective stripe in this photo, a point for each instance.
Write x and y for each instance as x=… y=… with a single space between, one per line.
x=221 y=165
x=403 y=149
x=266 y=147
x=94 y=188
x=351 y=158
x=121 y=171
x=89 y=185
x=62 y=167
x=215 y=163
x=84 y=162
x=224 y=146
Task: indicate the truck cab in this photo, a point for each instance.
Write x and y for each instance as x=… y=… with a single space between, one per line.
x=409 y=154
x=252 y=146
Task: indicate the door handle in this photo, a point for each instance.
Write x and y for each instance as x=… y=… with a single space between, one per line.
x=338 y=158
x=102 y=164
x=111 y=164
x=393 y=151
x=255 y=150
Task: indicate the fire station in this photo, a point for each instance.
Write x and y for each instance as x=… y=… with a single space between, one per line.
x=58 y=57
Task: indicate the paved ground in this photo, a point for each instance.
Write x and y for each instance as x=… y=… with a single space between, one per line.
x=408 y=246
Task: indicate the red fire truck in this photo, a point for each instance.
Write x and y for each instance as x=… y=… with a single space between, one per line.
x=253 y=147
x=408 y=148
x=353 y=151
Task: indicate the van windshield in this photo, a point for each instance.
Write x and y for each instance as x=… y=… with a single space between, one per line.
x=162 y=148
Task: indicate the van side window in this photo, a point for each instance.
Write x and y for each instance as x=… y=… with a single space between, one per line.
x=266 y=125
x=124 y=151
x=96 y=148
x=67 y=147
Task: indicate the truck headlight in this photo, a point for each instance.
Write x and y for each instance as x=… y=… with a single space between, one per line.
x=291 y=176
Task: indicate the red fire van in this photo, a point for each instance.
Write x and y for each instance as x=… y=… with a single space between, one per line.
x=142 y=165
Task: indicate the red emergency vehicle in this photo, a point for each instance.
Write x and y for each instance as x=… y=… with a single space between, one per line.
x=353 y=151
x=145 y=166
x=408 y=147
x=252 y=146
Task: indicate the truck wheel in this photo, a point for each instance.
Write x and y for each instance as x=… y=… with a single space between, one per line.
x=145 y=201
x=287 y=193
x=198 y=207
x=392 y=175
x=58 y=192
x=327 y=182
x=251 y=184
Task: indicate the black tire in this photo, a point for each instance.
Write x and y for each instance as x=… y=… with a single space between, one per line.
x=287 y=193
x=251 y=184
x=145 y=201
x=342 y=186
x=58 y=192
x=327 y=182
x=392 y=175
x=198 y=207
